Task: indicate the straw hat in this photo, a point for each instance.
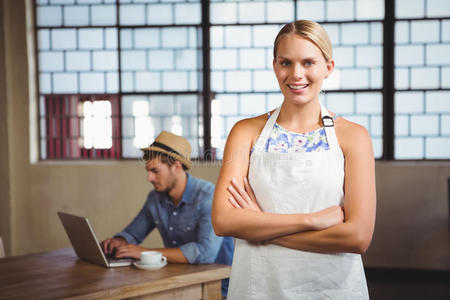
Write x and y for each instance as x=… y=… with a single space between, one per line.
x=172 y=145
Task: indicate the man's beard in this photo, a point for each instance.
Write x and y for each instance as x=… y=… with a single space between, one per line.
x=172 y=182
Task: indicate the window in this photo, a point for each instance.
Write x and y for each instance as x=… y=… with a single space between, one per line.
x=242 y=79
x=422 y=79
x=141 y=60
x=79 y=126
x=146 y=58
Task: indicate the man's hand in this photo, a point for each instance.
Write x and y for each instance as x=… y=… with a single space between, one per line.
x=109 y=245
x=129 y=250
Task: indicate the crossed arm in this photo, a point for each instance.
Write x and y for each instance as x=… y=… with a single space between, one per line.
x=236 y=213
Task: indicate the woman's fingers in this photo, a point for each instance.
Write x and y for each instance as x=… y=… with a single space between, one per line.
x=254 y=202
x=249 y=189
x=243 y=196
x=234 y=203
x=237 y=196
x=242 y=192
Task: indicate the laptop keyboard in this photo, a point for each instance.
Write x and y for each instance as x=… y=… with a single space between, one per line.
x=111 y=258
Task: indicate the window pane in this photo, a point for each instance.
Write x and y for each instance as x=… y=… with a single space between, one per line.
x=145 y=38
x=43 y=39
x=160 y=59
x=49 y=16
x=357 y=33
x=92 y=83
x=424 y=31
x=174 y=37
x=421 y=121
x=78 y=60
x=76 y=15
x=51 y=61
x=409 y=148
x=65 y=83
x=90 y=38
x=188 y=13
x=159 y=14
x=224 y=13
x=132 y=14
x=251 y=12
x=282 y=12
x=311 y=10
x=103 y=15
x=340 y=10
x=438 y=8
x=370 y=9
x=104 y=60
x=64 y=39
x=264 y=35
x=111 y=38
x=409 y=8
x=145 y=116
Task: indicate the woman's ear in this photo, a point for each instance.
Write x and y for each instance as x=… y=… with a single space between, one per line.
x=330 y=67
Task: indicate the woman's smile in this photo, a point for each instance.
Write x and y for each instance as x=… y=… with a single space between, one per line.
x=300 y=69
x=298 y=88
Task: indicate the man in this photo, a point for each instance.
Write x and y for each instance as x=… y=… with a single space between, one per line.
x=179 y=206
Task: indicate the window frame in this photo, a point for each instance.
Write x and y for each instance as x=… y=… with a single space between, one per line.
x=204 y=91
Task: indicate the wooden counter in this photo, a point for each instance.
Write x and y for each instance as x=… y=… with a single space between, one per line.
x=61 y=274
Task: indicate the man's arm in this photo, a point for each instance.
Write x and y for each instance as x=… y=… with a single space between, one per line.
x=203 y=249
x=141 y=225
x=134 y=233
x=173 y=255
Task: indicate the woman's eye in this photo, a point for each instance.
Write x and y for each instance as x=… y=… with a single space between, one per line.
x=285 y=63
x=308 y=63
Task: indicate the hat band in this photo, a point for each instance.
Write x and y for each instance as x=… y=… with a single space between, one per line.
x=165 y=147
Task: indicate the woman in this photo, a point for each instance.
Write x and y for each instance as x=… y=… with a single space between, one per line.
x=307 y=211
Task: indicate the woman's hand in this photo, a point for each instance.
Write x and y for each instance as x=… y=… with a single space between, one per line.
x=327 y=217
x=245 y=198
x=242 y=197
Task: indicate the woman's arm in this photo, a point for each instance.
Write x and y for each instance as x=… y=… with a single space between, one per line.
x=355 y=234
x=250 y=224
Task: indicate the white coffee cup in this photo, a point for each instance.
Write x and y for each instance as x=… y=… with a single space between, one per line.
x=152 y=258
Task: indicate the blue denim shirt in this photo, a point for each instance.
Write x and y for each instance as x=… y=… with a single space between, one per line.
x=186 y=226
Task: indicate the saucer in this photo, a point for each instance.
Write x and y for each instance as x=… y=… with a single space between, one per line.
x=142 y=266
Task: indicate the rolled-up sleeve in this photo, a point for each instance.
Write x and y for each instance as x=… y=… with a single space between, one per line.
x=140 y=227
x=205 y=249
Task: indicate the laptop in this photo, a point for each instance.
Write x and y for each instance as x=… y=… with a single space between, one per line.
x=85 y=244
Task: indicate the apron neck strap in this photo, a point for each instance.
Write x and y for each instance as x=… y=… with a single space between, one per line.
x=328 y=125
x=265 y=133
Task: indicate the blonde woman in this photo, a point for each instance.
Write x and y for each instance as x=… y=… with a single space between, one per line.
x=297 y=186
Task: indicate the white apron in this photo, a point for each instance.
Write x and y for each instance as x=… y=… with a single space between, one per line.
x=295 y=183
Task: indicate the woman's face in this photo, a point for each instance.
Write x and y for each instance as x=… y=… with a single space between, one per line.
x=300 y=69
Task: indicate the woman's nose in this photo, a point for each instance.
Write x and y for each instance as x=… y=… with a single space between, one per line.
x=297 y=71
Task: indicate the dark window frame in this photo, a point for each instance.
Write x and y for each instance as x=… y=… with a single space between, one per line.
x=204 y=91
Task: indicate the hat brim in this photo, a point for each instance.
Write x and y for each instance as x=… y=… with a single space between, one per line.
x=185 y=161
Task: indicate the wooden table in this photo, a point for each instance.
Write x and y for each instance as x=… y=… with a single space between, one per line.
x=61 y=275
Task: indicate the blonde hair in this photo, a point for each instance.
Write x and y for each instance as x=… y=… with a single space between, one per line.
x=310 y=30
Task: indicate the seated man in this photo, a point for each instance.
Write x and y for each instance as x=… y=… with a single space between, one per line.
x=179 y=206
